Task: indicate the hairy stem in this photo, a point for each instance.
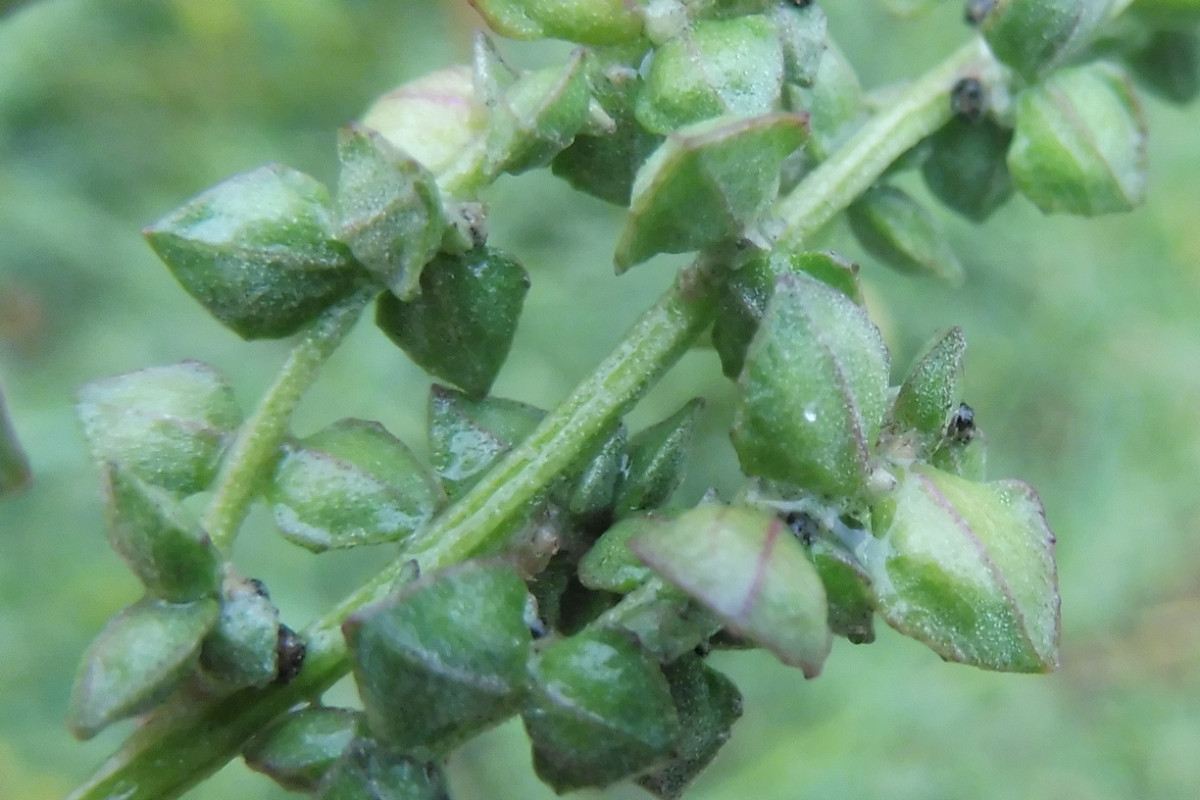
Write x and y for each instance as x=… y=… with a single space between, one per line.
x=259 y=437
x=172 y=753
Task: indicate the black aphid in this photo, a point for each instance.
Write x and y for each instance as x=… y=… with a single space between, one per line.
x=962 y=424
x=290 y=650
x=978 y=9
x=802 y=526
x=968 y=99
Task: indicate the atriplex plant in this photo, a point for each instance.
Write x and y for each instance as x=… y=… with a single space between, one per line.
x=539 y=571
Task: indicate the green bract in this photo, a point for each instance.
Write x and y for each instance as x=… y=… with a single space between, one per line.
x=137 y=660
x=813 y=392
x=897 y=230
x=933 y=386
x=444 y=658
x=1035 y=36
x=593 y=22
x=716 y=68
x=350 y=484
x=1080 y=144
x=165 y=425
x=299 y=750
x=744 y=566
x=243 y=647
x=259 y=251
x=598 y=711
x=160 y=540
x=708 y=182
x=851 y=607
x=835 y=103
x=389 y=209
x=371 y=770
x=968 y=569
x=1169 y=65
x=610 y=565
x=966 y=167
x=461 y=325
x=801 y=30
x=656 y=459
x=966 y=458
x=594 y=493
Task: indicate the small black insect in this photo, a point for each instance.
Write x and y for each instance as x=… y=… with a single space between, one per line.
x=800 y=3
x=290 y=651
x=537 y=628
x=968 y=99
x=977 y=10
x=962 y=424
x=259 y=588
x=802 y=526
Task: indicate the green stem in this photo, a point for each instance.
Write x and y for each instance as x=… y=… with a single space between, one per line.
x=175 y=751
x=259 y=437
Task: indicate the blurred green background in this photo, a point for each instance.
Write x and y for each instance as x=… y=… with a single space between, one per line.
x=1084 y=367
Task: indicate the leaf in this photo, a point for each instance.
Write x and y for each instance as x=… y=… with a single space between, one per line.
x=966 y=168
x=968 y=569
x=389 y=209
x=801 y=28
x=1036 y=36
x=299 y=749
x=657 y=456
x=1080 y=143
x=461 y=325
x=259 y=251
x=594 y=493
x=143 y=654
x=744 y=566
x=610 y=565
x=370 y=770
x=1169 y=65
x=835 y=103
x=165 y=425
x=590 y=22
x=351 y=484
x=599 y=711
x=933 y=386
x=243 y=647
x=813 y=392
x=444 y=658
x=159 y=539
x=898 y=231
x=706 y=183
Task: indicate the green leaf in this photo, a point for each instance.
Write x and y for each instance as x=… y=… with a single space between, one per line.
x=14 y=467
x=1169 y=65
x=370 y=770
x=898 y=231
x=813 y=393
x=351 y=484
x=933 y=387
x=166 y=425
x=965 y=457
x=851 y=606
x=259 y=251
x=966 y=168
x=443 y=659
x=801 y=28
x=243 y=647
x=706 y=183
x=1036 y=36
x=708 y=704
x=389 y=209
x=159 y=539
x=461 y=325
x=298 y=750
x=749 y=288
x=594 y=493
x=467 y=436
x=143 y=654
x=657 y=456
x=744 y=566
x=835 y=103
x=610 y=565
x=716 y=68
x=1080 y=144
x=968 y=569
x=590 y=22
x=599 y=711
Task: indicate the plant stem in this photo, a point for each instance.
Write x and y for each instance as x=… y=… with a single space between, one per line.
x=258 y=439
x=174 y=752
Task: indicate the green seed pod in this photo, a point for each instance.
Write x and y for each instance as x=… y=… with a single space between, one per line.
x=259 y=251
x=350 y=484
x=708 y=704
x=467 y=436
x=897 y=230
x=298 y=750
x=159 y=539
x=933 y=387
x=1080 y=144
x=744 y=566
x=851 y=607
x=166 y=425
x=14 y=467
x=599 y=711
x=813 y=393
x=835 y=104
x=610 y=565
x=1169 y=65
x=389 y=209
x=966 y=168
x=968 y=569
x=243 y=648
x=750 y=287
x=725 y=9
x=444 y=658
x=716 y=68
x=433 y=118
x=706 y=183
x=590 y=22
x=143 y=653
x=461 y=325
x=657 y=456
x=594 y=494
x=802 y=32
x=537 y=116
x=1035 y=36
x=371 y=770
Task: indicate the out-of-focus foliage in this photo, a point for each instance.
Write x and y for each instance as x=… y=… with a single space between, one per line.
x=1084 y=366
